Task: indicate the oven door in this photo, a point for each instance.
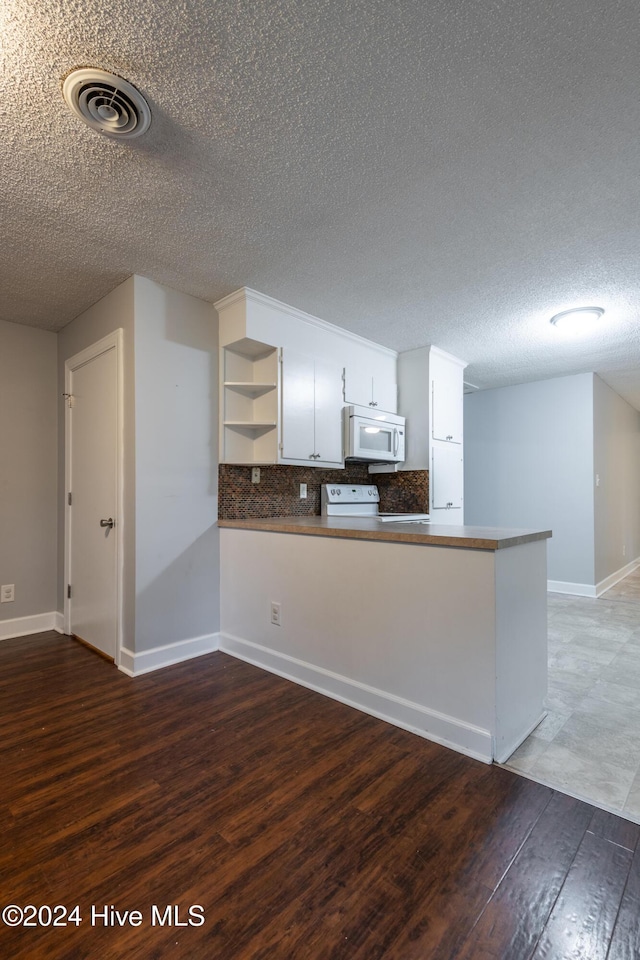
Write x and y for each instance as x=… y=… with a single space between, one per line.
x=372 y=440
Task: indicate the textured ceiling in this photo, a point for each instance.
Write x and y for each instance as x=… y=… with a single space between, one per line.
x=415 y=171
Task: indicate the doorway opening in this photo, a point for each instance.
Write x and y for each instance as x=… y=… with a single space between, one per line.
x=587 y=745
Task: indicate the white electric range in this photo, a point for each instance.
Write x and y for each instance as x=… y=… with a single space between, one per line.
x=360 y=500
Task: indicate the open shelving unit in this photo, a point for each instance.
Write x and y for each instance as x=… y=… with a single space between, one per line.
x=249 y=403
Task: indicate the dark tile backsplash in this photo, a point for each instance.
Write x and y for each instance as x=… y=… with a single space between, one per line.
x=278 y=493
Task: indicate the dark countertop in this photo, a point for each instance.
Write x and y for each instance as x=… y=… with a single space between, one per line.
x=369 y=528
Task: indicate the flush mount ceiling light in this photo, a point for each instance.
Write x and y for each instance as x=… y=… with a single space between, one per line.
x=107 y=103
x=577 y=320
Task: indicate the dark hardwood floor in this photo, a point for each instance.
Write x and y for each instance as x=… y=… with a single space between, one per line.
x=304 y=829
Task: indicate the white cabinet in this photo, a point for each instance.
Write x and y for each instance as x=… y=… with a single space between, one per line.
x=298 y=407
x=249 y=403
x=298 y=419
x=328 y=414
x=446 y=401
x=264 y=419
x=431 y=398
x=365 y=389
x=311 y=415
x=446 y=480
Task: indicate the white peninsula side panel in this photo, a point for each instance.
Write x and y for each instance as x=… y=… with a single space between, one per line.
x=424 y=637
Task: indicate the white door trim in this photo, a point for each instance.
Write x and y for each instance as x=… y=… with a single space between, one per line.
x=110 y=342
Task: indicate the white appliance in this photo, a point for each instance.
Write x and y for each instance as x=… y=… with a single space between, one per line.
x=360 y=500
x=373 y=436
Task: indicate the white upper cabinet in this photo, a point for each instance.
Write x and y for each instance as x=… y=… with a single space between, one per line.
x=365 y=389
x=298 y=407
x=446 y=401
x=291 y=412
x=311 y=419
x=328 y=421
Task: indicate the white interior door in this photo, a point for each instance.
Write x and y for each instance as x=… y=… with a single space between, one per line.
x=93 y=522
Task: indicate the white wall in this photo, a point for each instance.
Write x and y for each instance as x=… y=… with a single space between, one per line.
x=177 y=549
x=617 y=497
x=171 y=565
x=529 y=458
x=28 y=469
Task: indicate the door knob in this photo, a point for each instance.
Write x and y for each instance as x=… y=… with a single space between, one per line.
x=107 y=523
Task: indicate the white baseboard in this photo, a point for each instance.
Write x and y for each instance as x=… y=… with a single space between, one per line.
x=448 y=731
x=134 y=664
x=23 y=626
x=616 y=577
x=590 y=589
x=575 y=589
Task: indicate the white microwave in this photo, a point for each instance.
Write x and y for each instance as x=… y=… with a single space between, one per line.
x=373 y=436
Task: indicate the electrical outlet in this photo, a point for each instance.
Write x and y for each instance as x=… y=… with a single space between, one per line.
x=7 y=593
x=275 y=614
x=303 y=491
x=624 y=550
x=255 y=475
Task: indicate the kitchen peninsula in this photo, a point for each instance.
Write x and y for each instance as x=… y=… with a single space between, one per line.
x=441 y=630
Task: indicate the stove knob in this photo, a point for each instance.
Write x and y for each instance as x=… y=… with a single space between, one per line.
x=338 y=492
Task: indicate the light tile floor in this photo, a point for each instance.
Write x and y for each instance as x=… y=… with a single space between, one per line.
x=589 y=743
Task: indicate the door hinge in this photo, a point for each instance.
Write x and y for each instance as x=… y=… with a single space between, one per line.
x=69 y=499
x=68 y=591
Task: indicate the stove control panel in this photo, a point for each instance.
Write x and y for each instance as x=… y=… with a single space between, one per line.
x=350 y=493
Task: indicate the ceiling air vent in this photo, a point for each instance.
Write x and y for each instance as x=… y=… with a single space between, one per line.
x=107 y=103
